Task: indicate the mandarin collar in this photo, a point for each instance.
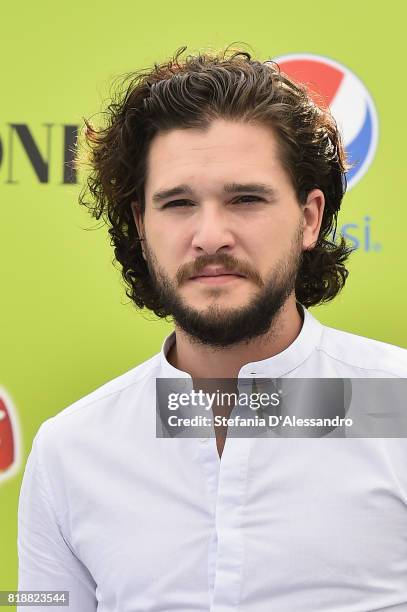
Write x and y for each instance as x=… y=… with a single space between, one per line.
x=273 y=367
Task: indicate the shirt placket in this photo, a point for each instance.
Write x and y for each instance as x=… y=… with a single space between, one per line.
x=227 y=482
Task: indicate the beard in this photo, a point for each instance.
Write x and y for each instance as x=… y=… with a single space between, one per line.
x=217 y=326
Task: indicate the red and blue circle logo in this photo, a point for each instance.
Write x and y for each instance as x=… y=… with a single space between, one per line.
x=350 y=103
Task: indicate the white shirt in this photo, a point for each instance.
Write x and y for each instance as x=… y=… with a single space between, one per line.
x=128 y=522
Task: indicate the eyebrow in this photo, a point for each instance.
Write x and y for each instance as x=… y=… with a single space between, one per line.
x=260 y=188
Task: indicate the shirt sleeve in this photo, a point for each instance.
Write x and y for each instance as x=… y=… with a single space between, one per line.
x=46 y=561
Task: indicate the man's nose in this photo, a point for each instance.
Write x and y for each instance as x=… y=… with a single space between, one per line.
x=213 y=230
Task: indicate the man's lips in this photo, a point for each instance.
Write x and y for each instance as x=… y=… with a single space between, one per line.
x=216 y=273
x=216 y=277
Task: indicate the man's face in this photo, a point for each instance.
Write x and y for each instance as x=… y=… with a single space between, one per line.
x=225 y=247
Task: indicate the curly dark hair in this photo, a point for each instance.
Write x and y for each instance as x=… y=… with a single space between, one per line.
x=190 y=93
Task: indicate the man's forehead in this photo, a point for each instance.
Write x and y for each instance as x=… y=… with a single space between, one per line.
x=220 y=137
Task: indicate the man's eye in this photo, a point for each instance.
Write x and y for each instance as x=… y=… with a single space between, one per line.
x=177 y=203
x=249 y=200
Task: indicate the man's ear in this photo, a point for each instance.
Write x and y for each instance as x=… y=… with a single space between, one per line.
x=138 y=220
x=313 y=211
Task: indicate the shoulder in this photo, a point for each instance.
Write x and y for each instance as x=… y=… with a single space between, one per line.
x=101 y=405
x=380 y=358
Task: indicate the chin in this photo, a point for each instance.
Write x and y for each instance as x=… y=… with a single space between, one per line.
x=213 y=296
x=203 y=306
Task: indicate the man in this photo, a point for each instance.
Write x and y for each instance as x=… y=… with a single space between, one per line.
x=221 y=182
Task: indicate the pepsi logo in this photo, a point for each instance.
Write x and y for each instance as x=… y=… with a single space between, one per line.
x=337 y=87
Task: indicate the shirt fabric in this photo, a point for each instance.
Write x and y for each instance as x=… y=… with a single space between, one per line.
x=128 y=522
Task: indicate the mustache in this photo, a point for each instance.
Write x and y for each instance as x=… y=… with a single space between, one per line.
x=230 y=263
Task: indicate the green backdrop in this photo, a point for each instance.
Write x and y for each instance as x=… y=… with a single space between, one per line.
x=67 y=326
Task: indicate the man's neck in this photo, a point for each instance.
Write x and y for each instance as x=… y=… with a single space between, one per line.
x=201 y=361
